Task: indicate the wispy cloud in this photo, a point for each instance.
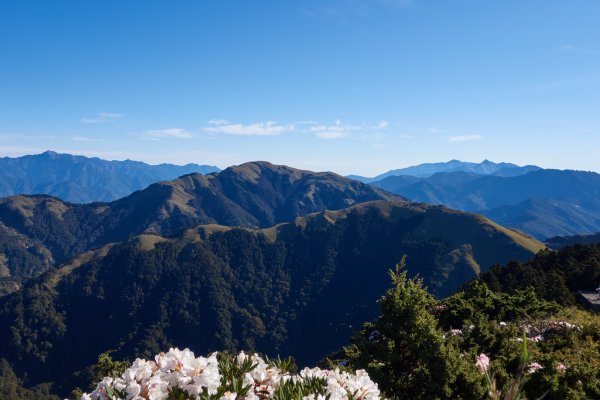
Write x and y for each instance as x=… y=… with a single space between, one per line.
x=12 y=136
x=339 y=130
x=464 y=138
x=581 y=50
x=381 y=125
x=268 y=128
x=86 y=139
x=102 y=118
x=176 y=133
x=218 y=122
x=329 y=131
x=436 y=130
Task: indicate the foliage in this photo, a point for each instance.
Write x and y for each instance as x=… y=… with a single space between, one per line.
x=234 y=289
x=11 y=387
x=420 y=348
x=563 y=344
x=406 y=353
x=554 y=275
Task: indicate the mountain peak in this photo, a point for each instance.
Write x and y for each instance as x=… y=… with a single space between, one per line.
x=426 y=170
x=50 y=153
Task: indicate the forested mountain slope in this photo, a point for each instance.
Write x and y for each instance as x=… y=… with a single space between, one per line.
x=297 y=288
x=37 y=232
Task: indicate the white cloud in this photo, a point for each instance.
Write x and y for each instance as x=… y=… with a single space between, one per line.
x=433 y=129
x=329 y=131
x=86 y=139
x=380 y=125
x=269 y=128
x=12 y=137
x=464 y=138
x=218 y=122
x=103 y=117
x=339 y=130
x=330 y=134
x=176 y=133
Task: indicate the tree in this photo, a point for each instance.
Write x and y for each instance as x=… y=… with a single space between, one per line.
x=407 y=354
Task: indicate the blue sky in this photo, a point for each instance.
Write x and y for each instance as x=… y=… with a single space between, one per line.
x=352 y=86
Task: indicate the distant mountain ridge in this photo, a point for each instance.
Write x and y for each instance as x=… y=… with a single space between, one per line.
x=80 y=179
x=39 y=231
x=542 y=203
x=426 y=170
x=558 y=242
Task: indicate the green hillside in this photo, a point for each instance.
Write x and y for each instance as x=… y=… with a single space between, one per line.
x=38 y=232
x=215 y=287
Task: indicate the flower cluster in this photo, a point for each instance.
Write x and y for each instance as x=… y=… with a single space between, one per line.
x=534 y=367
x=542 y=331
x=178 y=374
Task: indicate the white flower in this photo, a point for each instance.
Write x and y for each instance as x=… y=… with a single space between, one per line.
x=152 y=380
x=241 y=358
x=133 y=390
x=534 y=367
x=229 y=395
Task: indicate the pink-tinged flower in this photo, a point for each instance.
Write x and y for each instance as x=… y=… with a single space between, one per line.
x=455 y=332
x=561 y=367
x=483 y=363
x=534 y=367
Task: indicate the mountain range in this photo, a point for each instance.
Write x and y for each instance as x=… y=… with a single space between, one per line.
x=37 y=232
x=426 y=170
x=81 y=179
x=257 y=256
x=542 y=203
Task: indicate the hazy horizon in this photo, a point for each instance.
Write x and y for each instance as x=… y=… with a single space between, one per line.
x=288 y=164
